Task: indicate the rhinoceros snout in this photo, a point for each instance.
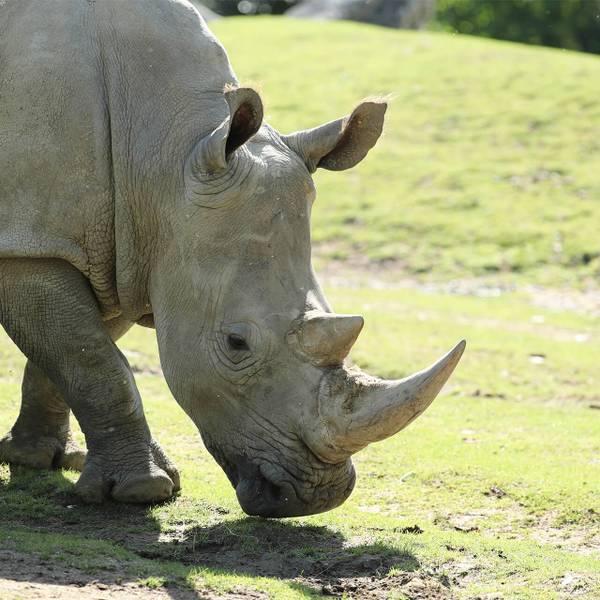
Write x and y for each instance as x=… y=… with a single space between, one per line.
x=260 y=496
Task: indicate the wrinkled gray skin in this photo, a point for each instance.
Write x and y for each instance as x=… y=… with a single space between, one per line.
x=138 y=184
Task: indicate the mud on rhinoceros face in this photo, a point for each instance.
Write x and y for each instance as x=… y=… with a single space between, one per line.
x=248 y=343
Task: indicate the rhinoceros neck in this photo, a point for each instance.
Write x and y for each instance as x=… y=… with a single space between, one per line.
x=164 y=75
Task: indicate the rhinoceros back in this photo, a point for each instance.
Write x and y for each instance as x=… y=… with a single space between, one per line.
x=90 y=91
x=55 y=187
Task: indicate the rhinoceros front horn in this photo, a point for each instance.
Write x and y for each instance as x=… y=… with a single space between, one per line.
x=356 y=409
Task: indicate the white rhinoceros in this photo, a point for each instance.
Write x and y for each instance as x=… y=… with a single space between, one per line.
x=139 y=184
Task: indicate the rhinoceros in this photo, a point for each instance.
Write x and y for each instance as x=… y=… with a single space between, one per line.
x=140 y=184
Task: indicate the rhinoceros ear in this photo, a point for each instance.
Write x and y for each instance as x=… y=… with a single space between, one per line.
x=245 y=118
x=340 y=144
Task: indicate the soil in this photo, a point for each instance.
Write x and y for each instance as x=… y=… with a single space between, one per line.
x=358 y=271
x=331 y=566
x=577 y=538
x=26 y=576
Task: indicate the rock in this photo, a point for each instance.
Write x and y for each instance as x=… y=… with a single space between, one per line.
x=405 y=14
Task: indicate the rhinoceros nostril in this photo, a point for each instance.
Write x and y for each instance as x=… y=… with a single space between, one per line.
x=273 y=492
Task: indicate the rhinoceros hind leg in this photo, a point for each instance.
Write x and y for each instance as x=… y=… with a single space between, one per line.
x=49 y=310
x=40 y=452
x=40 y=438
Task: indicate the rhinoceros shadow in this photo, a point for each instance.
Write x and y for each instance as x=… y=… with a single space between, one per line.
x=286 y=550
x=310 y=555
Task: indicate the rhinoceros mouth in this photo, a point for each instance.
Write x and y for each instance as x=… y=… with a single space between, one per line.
x=263 y=495
x=258 y=494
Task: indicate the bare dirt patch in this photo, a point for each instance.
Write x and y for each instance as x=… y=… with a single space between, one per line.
x=572 y=537
x=585 y=302
x=314 y=558
x=546 y=529
x=358 y=271
x=411 y=586
x=26 y=576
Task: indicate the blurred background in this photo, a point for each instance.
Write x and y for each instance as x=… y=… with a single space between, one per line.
x=572 y=24
x=488 y=169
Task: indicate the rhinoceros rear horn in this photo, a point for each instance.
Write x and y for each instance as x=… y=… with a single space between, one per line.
x=325 y=339
x=340 y=144
x=245 y=117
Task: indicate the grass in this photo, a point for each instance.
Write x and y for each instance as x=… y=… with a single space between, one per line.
x=494 y=489
x=489 y=166
x=491 y=153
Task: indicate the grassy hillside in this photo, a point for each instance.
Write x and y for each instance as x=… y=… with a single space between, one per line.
x=490 y=167
x=491 y=156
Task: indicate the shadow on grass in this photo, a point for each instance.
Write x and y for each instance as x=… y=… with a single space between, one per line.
x=315 y=557
x=282 y=549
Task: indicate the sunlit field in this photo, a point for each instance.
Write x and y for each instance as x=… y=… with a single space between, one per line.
x=490 y=158
x=475 y=217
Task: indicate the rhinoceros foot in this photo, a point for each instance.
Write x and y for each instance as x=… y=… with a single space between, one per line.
x=42 y=452
x=142 y=475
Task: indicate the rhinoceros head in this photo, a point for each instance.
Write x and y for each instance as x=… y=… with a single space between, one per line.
x=249 y=345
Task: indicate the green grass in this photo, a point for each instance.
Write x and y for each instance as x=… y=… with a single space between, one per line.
x=489 y=166
x=491 y=154
x=501 y=475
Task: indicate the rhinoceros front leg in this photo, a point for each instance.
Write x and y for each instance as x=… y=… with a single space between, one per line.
x=41 y=437
x=49 y=310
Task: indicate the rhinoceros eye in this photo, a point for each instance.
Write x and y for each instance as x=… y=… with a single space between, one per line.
x=239 y=350
x=237 y=342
